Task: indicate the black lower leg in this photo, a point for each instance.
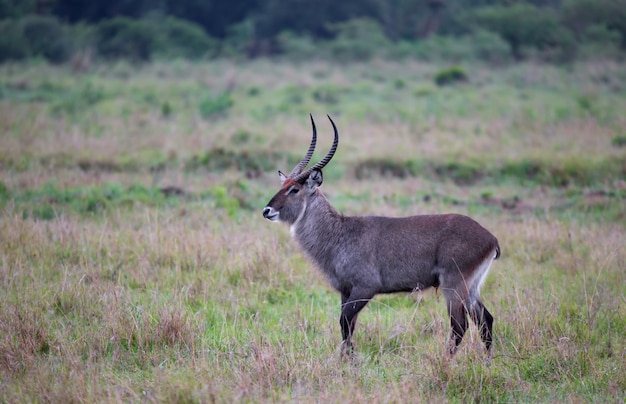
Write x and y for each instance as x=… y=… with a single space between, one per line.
x=350 y=307
x=484 y=321
x=458 y=322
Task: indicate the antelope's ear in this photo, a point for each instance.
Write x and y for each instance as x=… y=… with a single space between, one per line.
x=315 y=180
x=282 y=176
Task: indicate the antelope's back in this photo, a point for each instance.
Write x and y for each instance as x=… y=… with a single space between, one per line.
x=432 y=240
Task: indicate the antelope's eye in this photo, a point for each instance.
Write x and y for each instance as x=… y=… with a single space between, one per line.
x=293 y=191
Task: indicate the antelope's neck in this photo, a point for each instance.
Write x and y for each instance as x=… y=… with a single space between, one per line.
x=317 y=223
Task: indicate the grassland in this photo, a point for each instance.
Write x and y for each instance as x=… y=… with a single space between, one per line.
x=135 y=264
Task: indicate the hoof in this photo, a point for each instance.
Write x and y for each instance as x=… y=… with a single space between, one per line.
x=347 y=350
x=453 y=348
x=488 y=357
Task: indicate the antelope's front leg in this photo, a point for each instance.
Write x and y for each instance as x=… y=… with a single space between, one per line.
x=350 y=307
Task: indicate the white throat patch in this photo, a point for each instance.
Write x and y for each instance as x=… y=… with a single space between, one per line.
x=292 y=228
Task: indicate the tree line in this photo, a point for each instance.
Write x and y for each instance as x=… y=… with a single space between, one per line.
x=492 y=30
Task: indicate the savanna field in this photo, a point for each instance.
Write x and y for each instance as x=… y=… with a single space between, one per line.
x=135 y=264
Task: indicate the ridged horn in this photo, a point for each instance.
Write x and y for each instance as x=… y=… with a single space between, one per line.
x=303 y=163
x=303 y=176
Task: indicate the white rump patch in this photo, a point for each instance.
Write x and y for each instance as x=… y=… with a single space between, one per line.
x=480 y=276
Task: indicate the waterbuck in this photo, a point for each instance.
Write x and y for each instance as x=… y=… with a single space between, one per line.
x=362 y=256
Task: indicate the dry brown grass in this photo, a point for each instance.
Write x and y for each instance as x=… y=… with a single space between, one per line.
x=197 y=300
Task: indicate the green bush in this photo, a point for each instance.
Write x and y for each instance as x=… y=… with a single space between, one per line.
x=183 y=39
x=216 y=106
x=327 y=94
x=559 y=45
x=437 y=48
x=34 y=36
x=166 y=109
x=619 y=141
x=525 y=26
x=298 y=47
x=5 y=194
x=579 y=15
x=123 y=38
x=239 y=37
x=224 y=201
x=481 y=45
x=16 y=8
x=46 y=37
x=13 y=46
x=601 y=34
x=77 y=100
x=451 y=75
x=488 y=47
x=359 y=39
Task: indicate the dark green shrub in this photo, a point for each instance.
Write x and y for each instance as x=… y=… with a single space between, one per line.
x=43 y=212
x=327 y=94
x=359 y=39
x=17 y=8
x=46 y=37
x=488 y=47
x=524 y=26
x=77 y=100
x=523 y=170
x=579 y=15
x=298 y=47
x=5 y=194
x=451 y=75
x=619 y=141
x=123 y=38
x=602 y=35
x=559 y=45
x=13 y=46
x=462 y=173
x=241 y=137
x=437 y=48
x=184 y=39
x=585 y=102
x=481 y=45
x=166 y=109
x=386 y=168
x=216 y=106
x=224 y=201
x=34 y=36
x=220 y=159
x=239 y=38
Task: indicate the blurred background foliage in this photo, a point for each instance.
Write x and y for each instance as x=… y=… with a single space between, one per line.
x=495 y=31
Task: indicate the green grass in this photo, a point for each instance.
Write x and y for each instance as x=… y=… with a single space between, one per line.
x=135 y=264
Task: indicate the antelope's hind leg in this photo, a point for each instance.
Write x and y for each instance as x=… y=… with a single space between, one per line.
x=484 y=321
x=458 y=319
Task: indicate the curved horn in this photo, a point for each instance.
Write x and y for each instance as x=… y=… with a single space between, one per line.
x=300 y=166
x=301 y=177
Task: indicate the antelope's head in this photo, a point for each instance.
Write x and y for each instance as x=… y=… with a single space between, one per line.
x=290 y=201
